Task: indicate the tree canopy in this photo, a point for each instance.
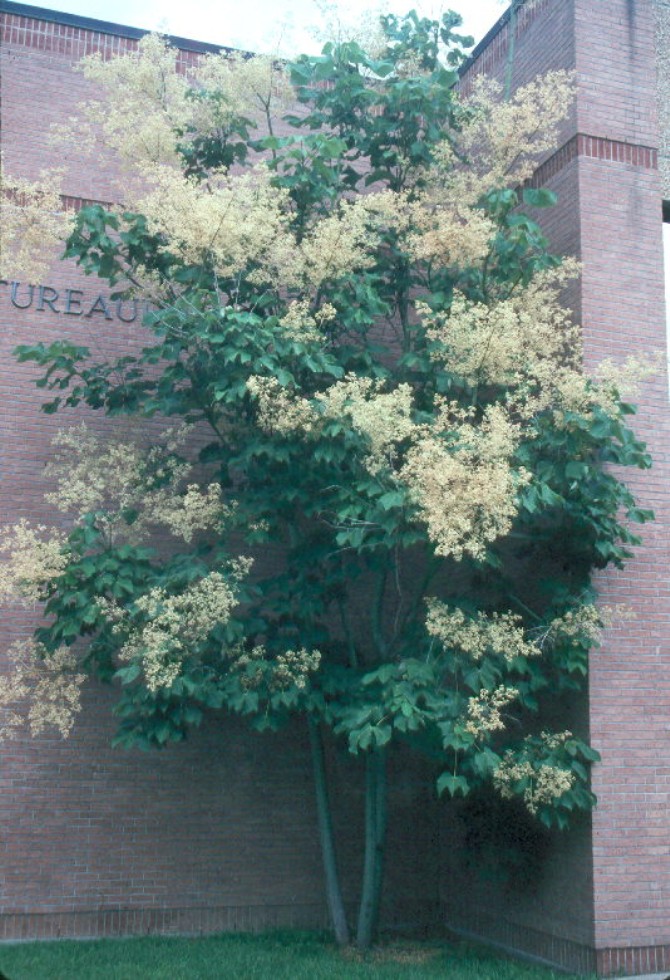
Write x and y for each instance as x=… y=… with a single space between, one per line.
x=385 y=478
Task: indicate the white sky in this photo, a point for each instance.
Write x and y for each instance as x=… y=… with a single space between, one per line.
x=267 y=25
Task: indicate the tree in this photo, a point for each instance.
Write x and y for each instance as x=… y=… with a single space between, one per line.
x=358 y=330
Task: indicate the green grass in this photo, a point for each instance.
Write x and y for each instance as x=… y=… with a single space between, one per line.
x=273 y=956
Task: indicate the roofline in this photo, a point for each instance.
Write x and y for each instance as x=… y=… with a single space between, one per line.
x=104 y=26
x=183 y=43
x=485 y=41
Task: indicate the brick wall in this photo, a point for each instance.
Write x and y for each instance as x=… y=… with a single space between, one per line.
x=623 y=312
x=604 y=901
x=219 y=832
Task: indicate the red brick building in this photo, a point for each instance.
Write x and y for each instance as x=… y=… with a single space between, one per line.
x=221 y=832
x=602 y=898
x=209 y=835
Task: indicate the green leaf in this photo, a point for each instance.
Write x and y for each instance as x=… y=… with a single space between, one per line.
x=539 y=197
x=129 y=674
x=453 y=785
x=391 y=499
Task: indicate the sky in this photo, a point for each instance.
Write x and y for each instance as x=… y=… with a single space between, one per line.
x=265 y=25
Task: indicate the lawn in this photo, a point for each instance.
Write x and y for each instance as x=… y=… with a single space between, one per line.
x=275 y=956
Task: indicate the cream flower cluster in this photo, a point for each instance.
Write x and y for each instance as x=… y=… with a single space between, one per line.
x=254 y=87
x=152 y=99
x=186 y=514
x=230 y=221
x=33 y=225
x=106 y=475
x=546 y=783
x=529 y=344
x=448 y=232
x=293 y=667
x=484 y=710
x=504 y=137
x=41 y=689
x=92 y=473
x=305 y=326
x=33 y=557
x=281 y=410
x=554 y=740
x=500 y=633
x=459 y=473
x=149 y=103
x=464 y=485
x=581 y=625
x=383 y=417
x=289 y=669
x=343 y=241
x=503 y=343
x=175 y=624
x=585 y=624
x=240 y=222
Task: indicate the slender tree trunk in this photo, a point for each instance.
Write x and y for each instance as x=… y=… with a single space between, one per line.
x=333 y=890
x=375 y=839
x=382 y=821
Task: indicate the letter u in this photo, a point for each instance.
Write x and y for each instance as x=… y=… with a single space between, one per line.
x=119 y=307
x=15 y=302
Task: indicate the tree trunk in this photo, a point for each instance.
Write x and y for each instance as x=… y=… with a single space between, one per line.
x=333 y=891
x=375 y=837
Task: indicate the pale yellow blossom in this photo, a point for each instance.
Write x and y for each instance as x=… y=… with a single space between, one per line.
x=585 y=624
x=185 y=514
x=175 y=624
x=501 y=634
x=40 y=690
x=448 y=232
x=555 y=740
x=92 y=473
x=33 y=557
x=465 y=486
x=526 y=343
x=228 y=221
x=151 y=104
x=383 y=417
x=255 y=87
x=147 y=104
x=281 y=410
x=109 y=477
x=292 y=668
x=504 y=138
x=299 y=323
x=33 y=225
x=546 y=783
x=303 y=325
x=343 y=241
x=484 y=710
